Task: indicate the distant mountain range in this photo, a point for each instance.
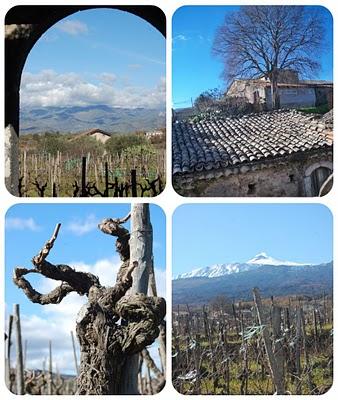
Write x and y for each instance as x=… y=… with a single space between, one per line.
x=77 y=119
x=236 y=280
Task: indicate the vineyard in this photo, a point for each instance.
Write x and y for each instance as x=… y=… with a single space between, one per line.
x=48 y=380
x=61 y=165
x=282 y=345
x=107 y=176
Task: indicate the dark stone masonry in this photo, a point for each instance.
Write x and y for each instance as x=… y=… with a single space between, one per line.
x=277 y=153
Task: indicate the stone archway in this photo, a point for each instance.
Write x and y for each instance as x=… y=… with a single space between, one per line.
x=24 y=25
x=315 y=176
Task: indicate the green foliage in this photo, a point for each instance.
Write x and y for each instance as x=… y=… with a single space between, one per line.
x=117 y=143
x=52 y=143
x=84 y=145
x=208 y=98
x=141 y=150
x=323 y=109
x=127 y=152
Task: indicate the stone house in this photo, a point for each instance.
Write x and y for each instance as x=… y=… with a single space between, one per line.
x=154 y=134
x=98 y=134
x=276 y=153
x=293 y=93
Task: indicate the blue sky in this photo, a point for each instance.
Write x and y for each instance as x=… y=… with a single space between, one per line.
x=79 y=244
x=221 y=233
x=195 y=69
x=99 y=56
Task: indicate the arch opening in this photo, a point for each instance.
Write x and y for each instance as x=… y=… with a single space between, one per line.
x=25 y=27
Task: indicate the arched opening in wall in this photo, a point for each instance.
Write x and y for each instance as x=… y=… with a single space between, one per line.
x=318 y=177
x=92 y=102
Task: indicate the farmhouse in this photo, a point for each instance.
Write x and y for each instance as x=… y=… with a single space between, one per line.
x=274 y=153
x=97 y=134
x=292 y=91
x=154 y=134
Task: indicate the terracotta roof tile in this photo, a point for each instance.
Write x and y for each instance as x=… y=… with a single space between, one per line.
x=228 y=142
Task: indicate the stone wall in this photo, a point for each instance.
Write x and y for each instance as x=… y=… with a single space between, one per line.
x=284 y=178
x=324 y=95
x=246 y=89
x=293 y=97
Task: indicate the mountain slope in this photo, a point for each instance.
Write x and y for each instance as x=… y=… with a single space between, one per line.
x=218 y=270
x=275 y=279
x=75 y=119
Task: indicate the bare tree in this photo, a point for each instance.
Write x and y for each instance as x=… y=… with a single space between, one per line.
x=261 y=41
x=105 y=343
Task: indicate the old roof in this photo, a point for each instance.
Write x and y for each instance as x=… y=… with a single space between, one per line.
x=299 y=84
x=95 y=130
x=255 y=138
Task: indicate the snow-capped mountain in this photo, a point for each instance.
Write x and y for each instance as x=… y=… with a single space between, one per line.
x=236 y=280
x=217 y=270
x=264 y=259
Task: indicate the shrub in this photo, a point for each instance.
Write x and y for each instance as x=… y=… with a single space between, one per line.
x=118 y=143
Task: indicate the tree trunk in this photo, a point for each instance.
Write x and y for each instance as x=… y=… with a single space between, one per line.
x=141 y=245
x=275 y=100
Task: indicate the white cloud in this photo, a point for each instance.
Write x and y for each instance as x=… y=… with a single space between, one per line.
x=58 y=320
x=72 y=27
x=108 y=78
x=180 y=38
x=22 y=224
x=81 y=227
x=48 y=88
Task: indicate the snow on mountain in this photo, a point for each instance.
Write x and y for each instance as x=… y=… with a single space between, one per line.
x=215 y=271
x=218 y=270
x=264 y=259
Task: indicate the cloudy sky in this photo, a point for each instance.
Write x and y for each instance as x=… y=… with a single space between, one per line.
x=196 y=70
x=237 y=232
x=81 y=245
x=98 y=56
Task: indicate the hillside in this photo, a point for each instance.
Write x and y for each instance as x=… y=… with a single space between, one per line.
x=273 y=279
x=76 y=119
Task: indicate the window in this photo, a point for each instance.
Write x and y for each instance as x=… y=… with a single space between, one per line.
x=318 y=177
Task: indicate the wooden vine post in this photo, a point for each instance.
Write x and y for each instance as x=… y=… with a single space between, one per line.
x=50 y=369
x=141 y=248
x=8 y=353
x=276 y=372
x=74 y=354
x=113 y=325
x=20 y=387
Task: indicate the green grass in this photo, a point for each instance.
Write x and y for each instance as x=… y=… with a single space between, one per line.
x=315 y=110
x=320 y=364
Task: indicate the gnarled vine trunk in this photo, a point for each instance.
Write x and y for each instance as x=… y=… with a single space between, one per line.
x=112 y=325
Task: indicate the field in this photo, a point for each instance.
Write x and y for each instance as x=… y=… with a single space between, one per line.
x=59 y=165
x=282 y=345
